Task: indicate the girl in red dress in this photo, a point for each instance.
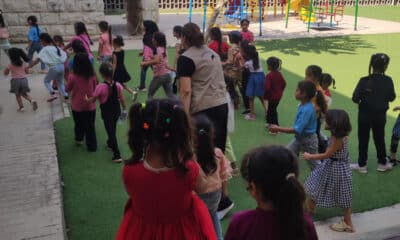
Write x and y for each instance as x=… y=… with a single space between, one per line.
x=160 y=177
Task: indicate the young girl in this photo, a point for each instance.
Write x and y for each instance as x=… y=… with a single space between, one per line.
x=105 y=43
x=217 y=45
x=161 y=72
x=330 y=184
x=121 y=75
x=149 y=50
x=19 y=82
x=274 y=86
x=110 y=96
x=246 y=33
x=271 y=174
x=305 y=125
x=245 y=77
x=161 y=175
x=177 y=33
x=394 y=143
x=373 y=94
x=54 y=58
x=255 y=83
x=59 y=42
x=82 y=35
x=33 y=40
x=4 y=35
x=81 y=83
x=214 y=169
x=326 y=82
x=77 y=47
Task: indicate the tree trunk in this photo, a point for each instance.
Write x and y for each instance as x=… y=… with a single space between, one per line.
x=217 y=10
x=134 y=16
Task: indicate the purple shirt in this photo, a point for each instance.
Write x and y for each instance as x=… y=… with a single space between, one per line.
x=260 y=224
x=86 y=43
x=101 y=91
x=79 y=88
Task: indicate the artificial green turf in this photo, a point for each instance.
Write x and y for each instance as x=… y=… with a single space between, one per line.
x=94 y=195
x=389 y=13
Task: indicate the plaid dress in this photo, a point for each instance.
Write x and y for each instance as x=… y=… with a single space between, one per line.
x=396 y=128
x=330 y=184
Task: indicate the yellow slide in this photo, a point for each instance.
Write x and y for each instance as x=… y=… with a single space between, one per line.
x=301 y=7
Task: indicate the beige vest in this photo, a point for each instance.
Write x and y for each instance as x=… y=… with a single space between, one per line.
x=207 y=82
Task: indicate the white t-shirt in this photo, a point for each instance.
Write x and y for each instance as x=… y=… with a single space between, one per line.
x=249 y=65
x=48 y=55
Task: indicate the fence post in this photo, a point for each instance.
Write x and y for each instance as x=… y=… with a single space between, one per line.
x=356 y=15
x=287 y=14
x=190 y=10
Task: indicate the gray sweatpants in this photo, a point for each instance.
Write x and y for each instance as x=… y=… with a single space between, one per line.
x=308 y=144
x=165 y=81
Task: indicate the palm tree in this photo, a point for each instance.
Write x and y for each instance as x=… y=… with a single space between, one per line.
x=134 y=16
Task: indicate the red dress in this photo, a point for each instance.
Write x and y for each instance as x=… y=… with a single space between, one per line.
x=162 y=205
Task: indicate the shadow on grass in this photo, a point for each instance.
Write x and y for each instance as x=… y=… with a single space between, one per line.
x=317 y=45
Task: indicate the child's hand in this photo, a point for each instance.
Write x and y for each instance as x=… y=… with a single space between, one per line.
x=86 y=98
x=273 y=128
x=142 y=64
x=123 y=116
x=140 y=54
x=396 y=108
x=307 y=156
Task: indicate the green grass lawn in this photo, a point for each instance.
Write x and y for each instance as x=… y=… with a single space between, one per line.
x=94 y=196
x=389 y=13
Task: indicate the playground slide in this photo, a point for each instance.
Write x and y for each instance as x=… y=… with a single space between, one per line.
x=302 y=7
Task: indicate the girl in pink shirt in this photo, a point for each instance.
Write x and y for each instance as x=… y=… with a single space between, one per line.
x=82 y=82
x=161 y=72
x=105 y=43
x=214 y=169
x=110 y=96
x=19 y=82
x=246 y=33
x=82 y=35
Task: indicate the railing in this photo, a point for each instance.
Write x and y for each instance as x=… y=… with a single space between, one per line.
x=114 y=6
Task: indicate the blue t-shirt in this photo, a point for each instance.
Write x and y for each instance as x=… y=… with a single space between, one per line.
x=306 y=120
x=33 y=34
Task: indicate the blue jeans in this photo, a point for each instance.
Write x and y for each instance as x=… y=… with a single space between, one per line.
x=211 y=200
x=56 y=73
x=35 y=47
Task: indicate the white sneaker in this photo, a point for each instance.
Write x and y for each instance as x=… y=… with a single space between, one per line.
x=384 y=167
x=134 y=96
x=354 y=166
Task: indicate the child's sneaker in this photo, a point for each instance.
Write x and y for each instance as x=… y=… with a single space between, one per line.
x=341 y=227
x=21 y=109
x=245 y=112
x=117 y=159
x=384 y=167
x=249 y=117
x=354 y=166
x=142 y=89
x=52 y=97
x=224 y=207
x=34 y=105
x=78 y=143
x=134 y=96
x=392 y=161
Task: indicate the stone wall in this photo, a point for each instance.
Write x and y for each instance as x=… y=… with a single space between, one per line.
x=54 y=16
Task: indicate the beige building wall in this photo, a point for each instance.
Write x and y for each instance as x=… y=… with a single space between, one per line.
x=54 y=16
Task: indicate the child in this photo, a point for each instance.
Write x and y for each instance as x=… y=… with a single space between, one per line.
x=161 y=72
x=77 y=47
x=19 y=82
x=121 y=75
x=149 y=50
x=246 y=33
x=373 y=94
x=54 y=58
x=330 y=184
x=255 y=83
x=326 y=82
x=59 y=42
x=81 y=83
x=110 y=96
x=4 y=35
x=245 y=77
x=82 y=35
x=34 y=41
x=274 y=86
x=105 y=43
x=271 y=174
x=394 y=143
x=305 y=125
x=161 y=175
x=177 y=33
x=214 y=169
x=217 y=45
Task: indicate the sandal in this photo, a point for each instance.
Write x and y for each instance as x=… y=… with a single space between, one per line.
x=341 y=227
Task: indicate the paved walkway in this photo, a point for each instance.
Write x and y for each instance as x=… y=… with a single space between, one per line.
x=30 y=200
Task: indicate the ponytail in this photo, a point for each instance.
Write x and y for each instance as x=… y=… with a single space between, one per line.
x=136 y=133
x=90 y=40
x=256 y=61
x=321 y=103
x=45 y=37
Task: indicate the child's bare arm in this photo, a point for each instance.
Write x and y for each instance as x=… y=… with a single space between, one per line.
x=337 y=143
x=122 y=100
x=276 y=128
x=156 y=59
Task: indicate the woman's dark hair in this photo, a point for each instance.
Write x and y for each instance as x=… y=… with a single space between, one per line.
x=310 y=91
x=274 y=63
x=119 y=41
x=83 y=66
x=162 y=125
x=80 y=28
x=16 y=56
x=33 y=20
x=77 y=46
x=327 y=80
x=104 y=26
x=178 y=30
x=378 y=63
x=161 y=41
x=252 y=54
x=274 y=171
x=58 y=38
x=45 y=37
x=215 y=34
x=235 y=37
x=316 y=72
x=245 y=20
x=193 y=35
x=2 y=23
x=204 y=143
x=338 y=122
x=150 y=27
x=106 y=70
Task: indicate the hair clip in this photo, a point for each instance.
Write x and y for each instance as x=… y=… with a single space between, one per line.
x=202 y=131
x=290 y=175
x=146 y=125
x=168 y=120
x=143 y=105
